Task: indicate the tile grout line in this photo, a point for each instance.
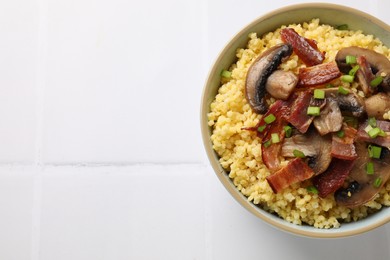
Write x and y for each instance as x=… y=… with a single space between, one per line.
x=38 y=163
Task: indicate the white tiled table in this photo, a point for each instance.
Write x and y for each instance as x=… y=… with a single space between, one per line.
x=100 y=147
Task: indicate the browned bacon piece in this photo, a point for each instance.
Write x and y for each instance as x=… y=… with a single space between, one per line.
x=333 y=178
x=343 y=144
x=306 y=49
x=318 y=75
x=295 y=171
x=362 y=135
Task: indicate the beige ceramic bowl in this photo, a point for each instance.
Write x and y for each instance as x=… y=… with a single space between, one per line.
x=328 y=14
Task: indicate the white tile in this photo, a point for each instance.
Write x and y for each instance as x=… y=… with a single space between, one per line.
x=123 y=82
x=146 y=212
x=233 y=227
x=18 y=52
x=16 y=202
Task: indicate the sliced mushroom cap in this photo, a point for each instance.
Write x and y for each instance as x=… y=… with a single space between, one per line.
x=363 y=187
x=317 y=148
x=259 y=72
x=281 y=83
x=330 y=119
x=379 y=63
x=350 y=104
x=377 y=105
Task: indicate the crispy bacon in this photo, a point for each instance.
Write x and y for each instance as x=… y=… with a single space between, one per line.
x=333 y=178
x=306 y=49
x=362 y=135
x=343 y=147
x=318 y=75
x=365 y=75
x=296 y=170
x=270 y=154
x=298 y=116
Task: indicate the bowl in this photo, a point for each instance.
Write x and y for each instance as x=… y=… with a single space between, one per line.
x=328 y=14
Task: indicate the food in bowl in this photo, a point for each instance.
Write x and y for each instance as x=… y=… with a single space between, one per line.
x=300 y=123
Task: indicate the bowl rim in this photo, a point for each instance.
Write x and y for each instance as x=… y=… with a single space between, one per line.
x=277 y=222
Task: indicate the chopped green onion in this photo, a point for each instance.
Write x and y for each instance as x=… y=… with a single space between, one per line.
x=269 y=119
x=347 y=78
x=287 y=131
x=350 y=59
x=353 y=71
x=312 y=189
x=298 y=154
x=372 y=121
x=313 y=111
x=376 y=82
x=261 y=128
x=342 y=27
x=226 y=74
x=351 y=121
x=370 y=168
x=368 y=128
x=319 y=94
x=382 y=133
x=343 y=91
x=373 y=133
x=267 y=144
x=374 y=151
x=341 y=133
x=377 y=182
x=275 y=138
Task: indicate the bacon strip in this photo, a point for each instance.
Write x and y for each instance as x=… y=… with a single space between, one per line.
x=343 y=147
x=270 y=154
x=298 y=116
x=306 y=49
x=318 y=75
x=365 y=75
x=333 y=178
x=296 y=171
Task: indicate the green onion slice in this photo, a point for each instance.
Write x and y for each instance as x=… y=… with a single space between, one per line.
x=313 y=111
x=319 y=94
x=341 y=133
x=347 y=78
x=377 y=182
x=226 y=74
x=343 y=91
x=342 y=27
x=374 y=151
x=287 y=131
x=350 y=59
x=353 y=71
x=373 y=133
x=312 y=189
x=269 y=119
x=261 y=128
x=370 y=168
x=275 y=138
x=376 y=82
x=298 y=154
x=267 y=144
x=372 y=121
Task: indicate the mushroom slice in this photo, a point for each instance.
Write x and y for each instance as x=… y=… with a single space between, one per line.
x=316 y=147
x=377 y=105
x=330 y=119
x=363 y=187
x=259 y=72
x=350 y=104
x=379 y=63
x=280 y=84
